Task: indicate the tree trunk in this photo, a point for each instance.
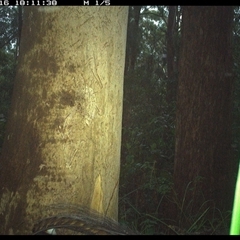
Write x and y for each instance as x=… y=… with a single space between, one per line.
x=202 y=168
x=170 y=42
x=63 y=137
x=171 y=80
x=132 y=38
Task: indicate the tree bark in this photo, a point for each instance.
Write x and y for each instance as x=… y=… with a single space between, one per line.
x=170 y=42
x=171 y=81
x=63 y=136
x=202 y=167
x=132 y=38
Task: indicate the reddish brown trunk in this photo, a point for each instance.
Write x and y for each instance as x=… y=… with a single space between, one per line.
x=203 y=123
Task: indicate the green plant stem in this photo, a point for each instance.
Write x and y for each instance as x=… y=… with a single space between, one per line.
x=235 y=223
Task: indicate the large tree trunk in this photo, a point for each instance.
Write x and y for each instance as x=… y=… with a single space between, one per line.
x=63 y=136
x=203 y=129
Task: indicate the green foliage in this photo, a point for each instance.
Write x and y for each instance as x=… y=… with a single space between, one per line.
x=9 y=26
x=8 y=40
x=207 y=220
x=148 y=128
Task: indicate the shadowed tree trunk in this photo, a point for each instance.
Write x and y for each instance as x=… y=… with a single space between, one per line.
x=132 y=38
x=203 y=161
x=171 y=81
x=63 y=137
x=170 y=41
x=131 y=57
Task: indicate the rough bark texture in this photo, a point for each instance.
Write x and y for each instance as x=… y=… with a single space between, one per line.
x=203 y=128
x=63 y=136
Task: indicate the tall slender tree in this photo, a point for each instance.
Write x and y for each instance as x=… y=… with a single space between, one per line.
x=63 y=136
x=171 y=25
x=132 y=38
x=203 y=161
